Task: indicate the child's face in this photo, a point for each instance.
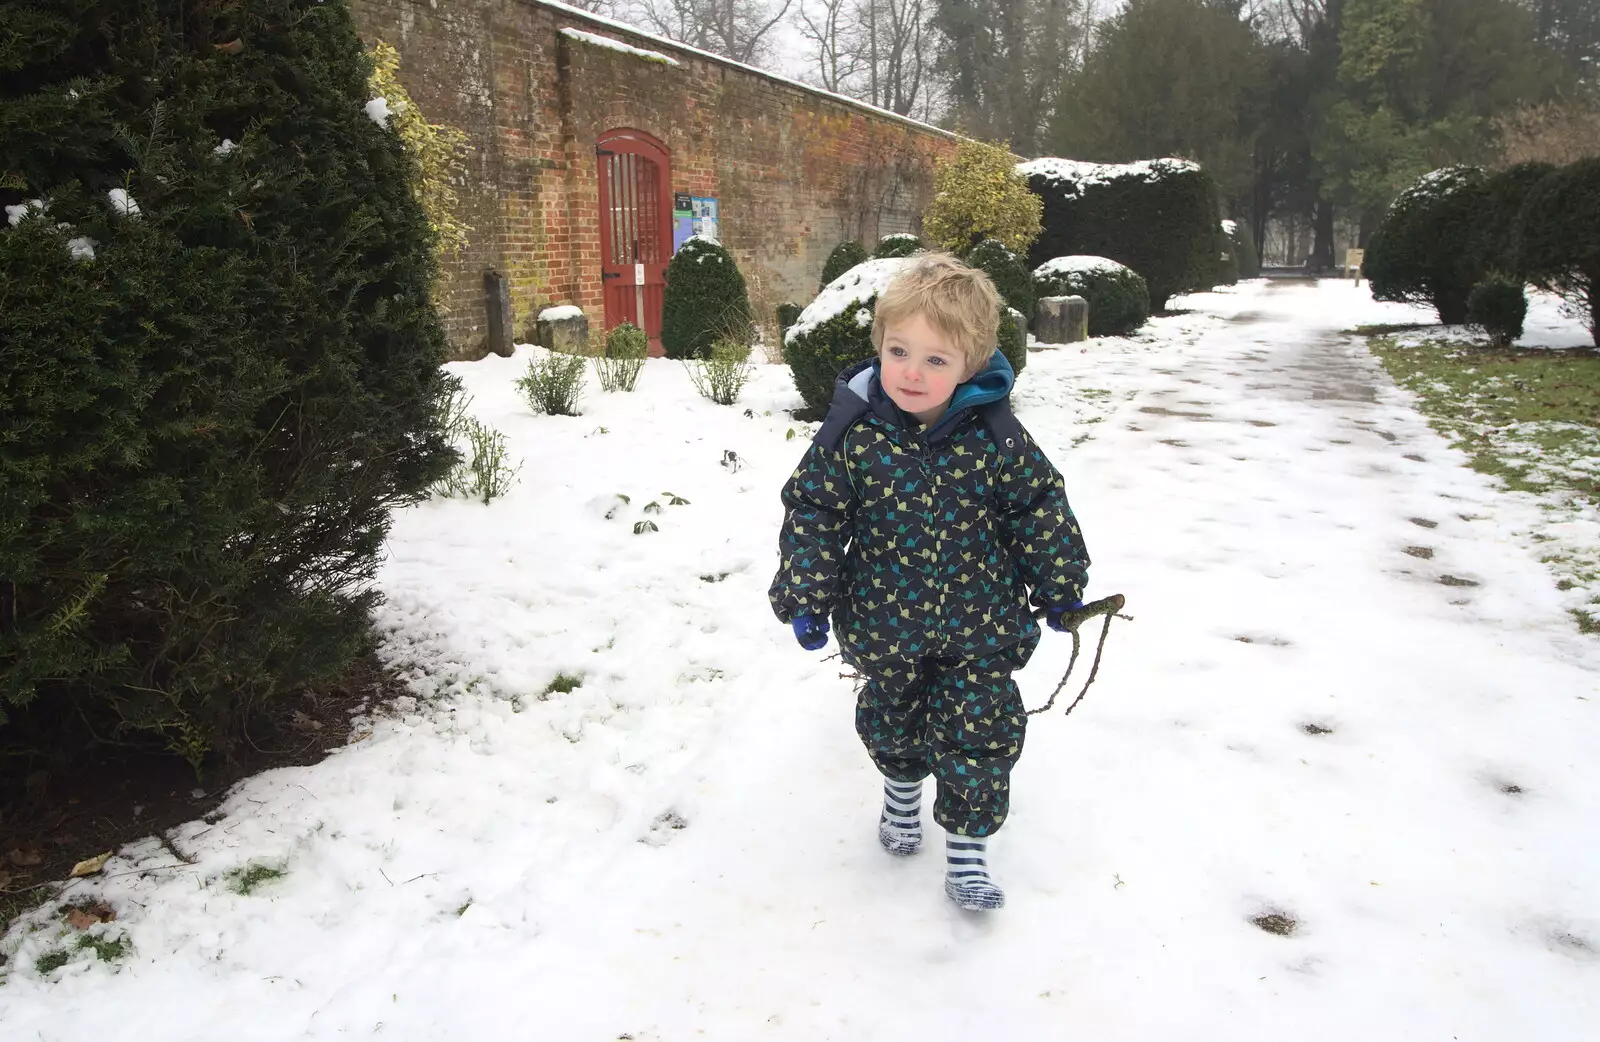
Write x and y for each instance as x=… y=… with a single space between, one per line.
x=920 y=368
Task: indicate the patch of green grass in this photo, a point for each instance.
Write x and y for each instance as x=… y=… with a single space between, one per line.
x=14 y=904
x=52 y=960
x=563 y=684
x=246 y=880
x=110 y=949
x=1529 y=418
x=1386 y=328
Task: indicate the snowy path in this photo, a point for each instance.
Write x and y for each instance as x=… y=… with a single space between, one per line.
x=1303 y=719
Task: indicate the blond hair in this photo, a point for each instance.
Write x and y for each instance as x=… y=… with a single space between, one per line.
x=958 y=301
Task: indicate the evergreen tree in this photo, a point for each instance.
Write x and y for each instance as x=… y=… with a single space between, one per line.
x=1002 y=61
x=221 y=364
x=1168 y=78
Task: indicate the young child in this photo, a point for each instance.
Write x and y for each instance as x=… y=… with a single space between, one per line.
x=921 y=520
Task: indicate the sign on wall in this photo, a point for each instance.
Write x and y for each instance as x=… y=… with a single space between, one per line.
x=705 y=217
x=682 y=218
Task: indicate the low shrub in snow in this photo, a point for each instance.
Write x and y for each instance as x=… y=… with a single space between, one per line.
x=1427 y=250
x=978 y=194
x=1559 y=244
x=553 y=384
x=835 y=330
x=723 y=375
x=898 y=245
x=841 y=259
x=1498 y=307
x=1009 y=275
x=788 y=315
x=705 y=300
x=216 y=381
x=1159 y=217
x=626 y=349
x=1119 y=300
x=1011 y=339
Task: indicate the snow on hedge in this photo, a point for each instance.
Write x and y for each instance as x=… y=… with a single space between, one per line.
x=596 y=40
x=1079 y=264
x=1436 y=185
x=1230 y=228
x=855 y=287
x=1074 y=176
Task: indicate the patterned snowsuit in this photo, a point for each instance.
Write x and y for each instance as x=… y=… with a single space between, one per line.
x=924 y=546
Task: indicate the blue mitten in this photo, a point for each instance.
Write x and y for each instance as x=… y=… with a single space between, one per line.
x=1057 y=617
x=811 y=631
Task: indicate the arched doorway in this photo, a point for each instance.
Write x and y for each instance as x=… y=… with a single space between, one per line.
x=635 y=173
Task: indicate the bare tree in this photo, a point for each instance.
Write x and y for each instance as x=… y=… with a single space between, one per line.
x=880 y=51
x=737 y=29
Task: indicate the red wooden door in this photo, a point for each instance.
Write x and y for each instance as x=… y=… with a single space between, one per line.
x=635 y=228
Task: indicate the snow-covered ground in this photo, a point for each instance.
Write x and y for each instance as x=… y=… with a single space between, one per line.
x=1308 y=717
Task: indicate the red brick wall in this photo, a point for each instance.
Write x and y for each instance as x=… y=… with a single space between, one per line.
x=794 y=171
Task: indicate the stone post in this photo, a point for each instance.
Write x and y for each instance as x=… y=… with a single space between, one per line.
x=1061 y=320
x=497 y=302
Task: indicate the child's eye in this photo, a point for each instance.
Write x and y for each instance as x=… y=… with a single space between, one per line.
x=936 y=360
x=897 y=351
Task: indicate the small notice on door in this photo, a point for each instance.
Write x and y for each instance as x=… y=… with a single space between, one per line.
x=638 y=274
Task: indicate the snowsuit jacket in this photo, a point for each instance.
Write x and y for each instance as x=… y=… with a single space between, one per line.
x=926 y=542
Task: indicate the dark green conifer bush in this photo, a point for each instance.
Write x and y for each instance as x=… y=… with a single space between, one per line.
x=705 y=300
x=221 y=366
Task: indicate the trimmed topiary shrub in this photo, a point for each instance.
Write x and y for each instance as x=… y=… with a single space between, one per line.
x=1119 y=300
x=845 y=256
x=1428 y=249
x=899 y=244
x=1158 y=217
x=1009 y=275
x=1011 y=339
x=977 y=195
x=1558 y=246
x=221 y=366
x=705 y=300
x=1502 y=198
x=835 y=330
x=788 y=315
x=1498 y=307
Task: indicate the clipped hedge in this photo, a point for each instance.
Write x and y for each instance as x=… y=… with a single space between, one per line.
x=1159 y=217
x=1009 y=275
x=1499 y=212
x=835 y=331
x=1011 y=339
x=1558 y=247
x=841 y=259
x=220 y=371
x=1119 y=300
x=900 y=244
x=705 y=300
x=1498 y=307
x=1429 y=248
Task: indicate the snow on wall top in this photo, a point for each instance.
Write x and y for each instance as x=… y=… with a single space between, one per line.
x=1079 y=264
x=595 y=39
x=684 y=48
x=560 y=313
x=897 y=236
x=857 y=286
x=1076 y=175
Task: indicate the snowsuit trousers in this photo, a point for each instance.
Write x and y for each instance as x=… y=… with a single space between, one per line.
x=961 y=720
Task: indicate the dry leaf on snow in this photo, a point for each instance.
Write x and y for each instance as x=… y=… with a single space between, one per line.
x=91 y=866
